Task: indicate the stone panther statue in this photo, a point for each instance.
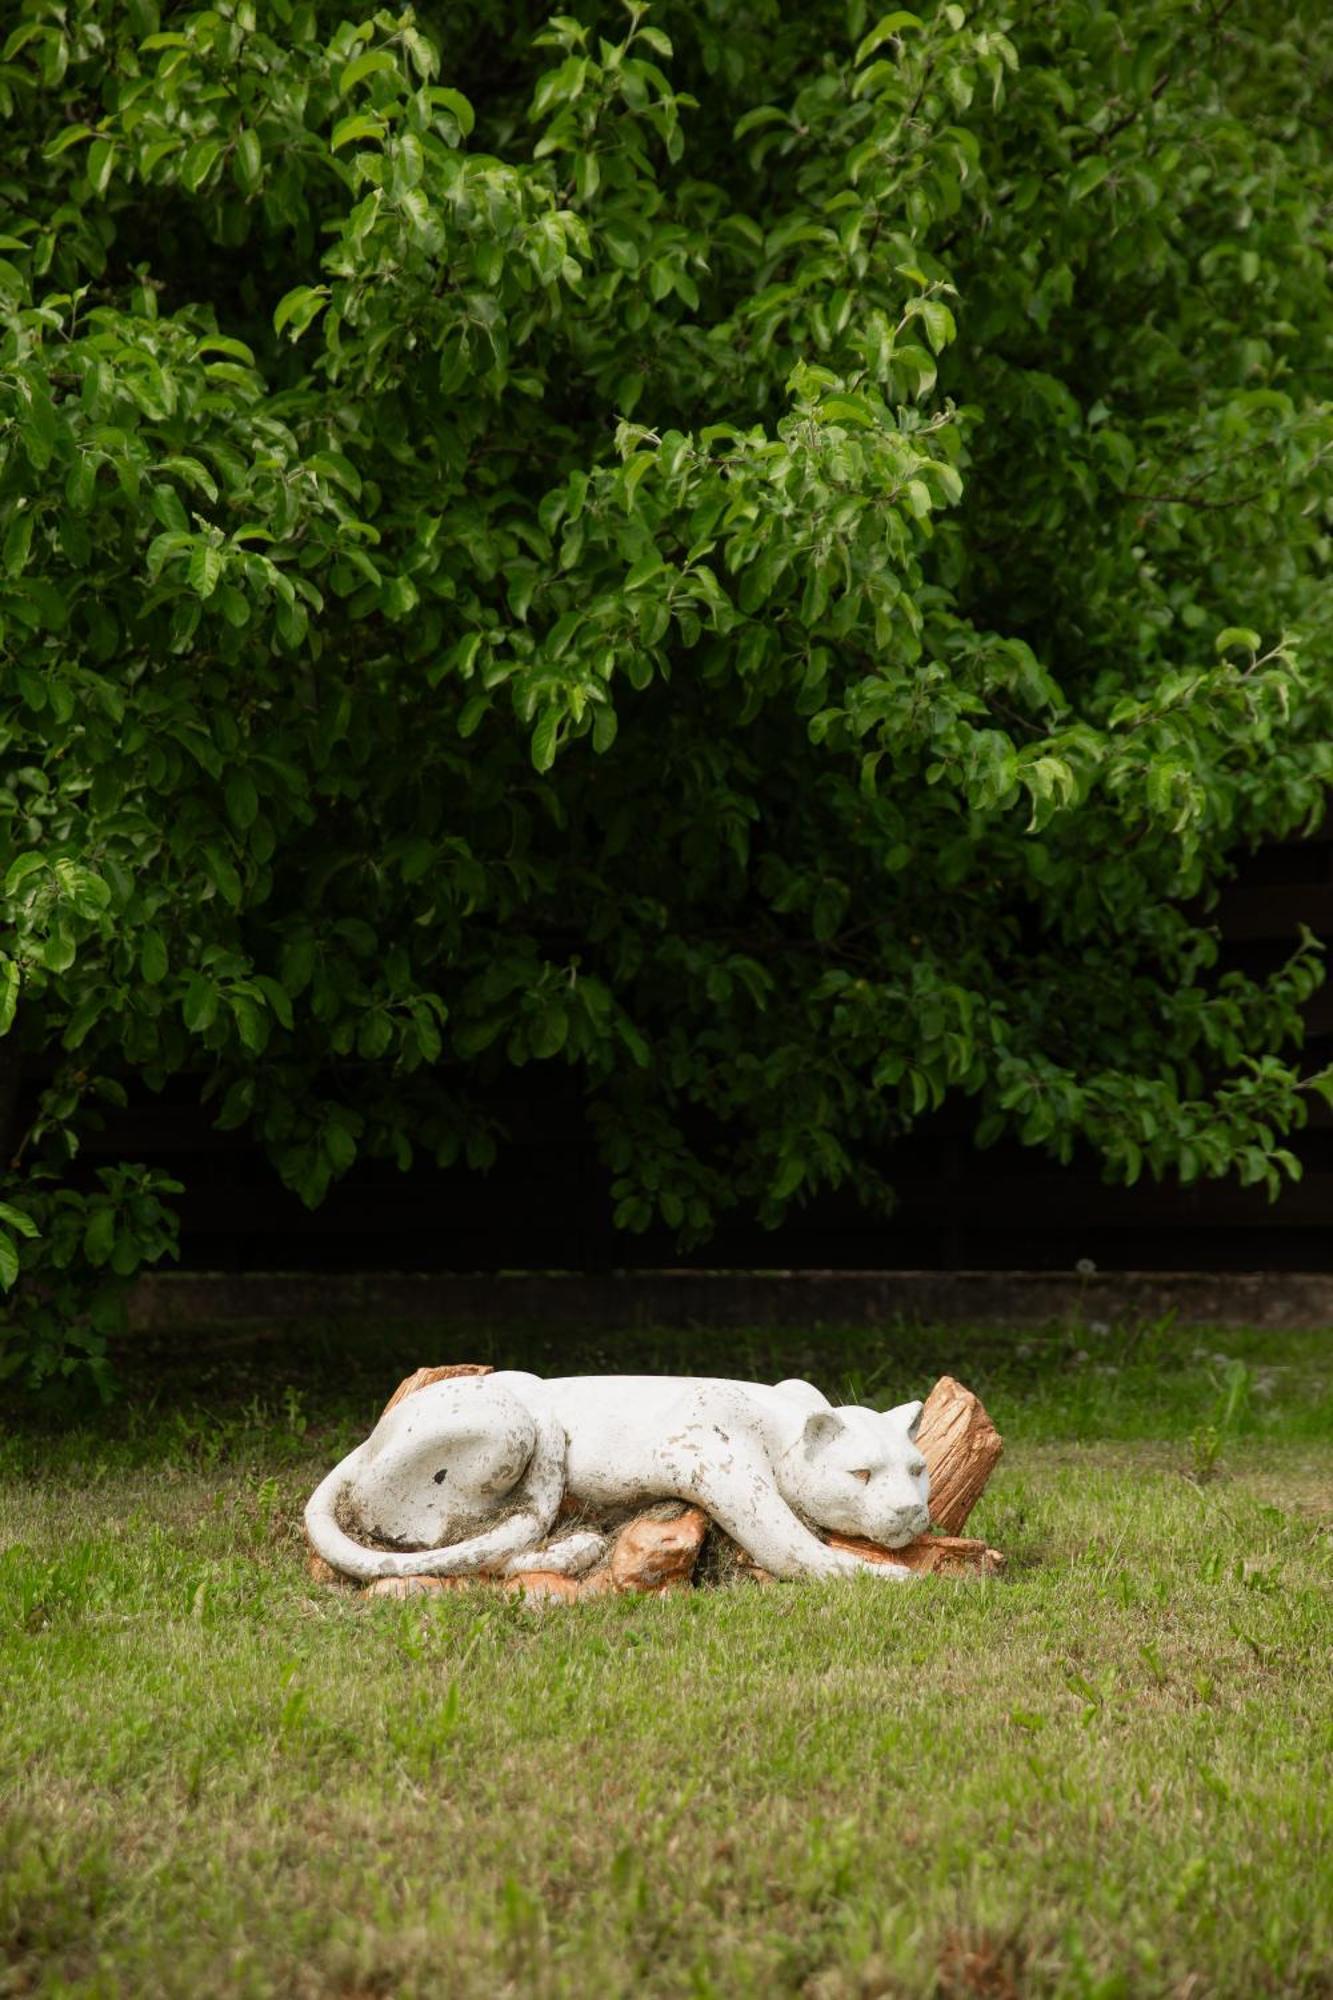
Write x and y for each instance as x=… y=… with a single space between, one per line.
x=468 y=1475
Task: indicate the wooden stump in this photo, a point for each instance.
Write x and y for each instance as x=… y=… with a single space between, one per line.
x=960 y=1445
x=929 y=1555
x=422 y=1378
x=657 y=1555
x=540 y=1586
x=415 y=1586
x=322 y=1572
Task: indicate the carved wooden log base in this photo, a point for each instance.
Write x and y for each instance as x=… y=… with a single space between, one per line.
x=422 y=1378
x=322 y=1572
x=543 y=1585
x=654 y=1555
x=420 y=1586
x=929 y=1555
x=656 y=1552
x=961 y=1446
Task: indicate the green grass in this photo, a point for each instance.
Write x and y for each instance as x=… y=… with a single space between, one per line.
x=1107 y=1773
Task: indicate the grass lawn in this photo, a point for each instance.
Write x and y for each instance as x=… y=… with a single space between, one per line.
x=1109 y=1772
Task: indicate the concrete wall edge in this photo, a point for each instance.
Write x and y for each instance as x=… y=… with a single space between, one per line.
x=163 y=1302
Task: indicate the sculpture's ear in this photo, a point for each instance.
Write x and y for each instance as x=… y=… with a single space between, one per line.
x=821 y=1427
x=907 y=1416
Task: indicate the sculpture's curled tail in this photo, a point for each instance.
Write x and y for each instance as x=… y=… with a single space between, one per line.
x=533 y=1506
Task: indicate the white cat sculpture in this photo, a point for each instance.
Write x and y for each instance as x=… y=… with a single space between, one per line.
x=468 y=1475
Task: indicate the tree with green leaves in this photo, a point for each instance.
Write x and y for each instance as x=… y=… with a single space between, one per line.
x=773 y=556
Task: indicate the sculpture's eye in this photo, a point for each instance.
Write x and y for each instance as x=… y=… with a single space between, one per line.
x=863 y=1474
x=917 y=1467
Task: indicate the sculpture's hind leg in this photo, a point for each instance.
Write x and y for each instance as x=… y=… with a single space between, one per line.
x=519 y=1532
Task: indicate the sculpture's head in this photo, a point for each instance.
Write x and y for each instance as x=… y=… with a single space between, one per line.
x=859 y=1472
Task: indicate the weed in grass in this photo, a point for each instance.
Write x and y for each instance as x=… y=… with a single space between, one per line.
x=1208 y=1442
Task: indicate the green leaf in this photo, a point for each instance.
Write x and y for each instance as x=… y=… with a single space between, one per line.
x=1238 y=635
x=9 y=1262
x=360 y=125
x=153 y=957
x=242 y=799
x=237 y=1105
x=339 y=1147
x=222 y=873
x=544 y=739
x=22 y=870
x=249 y=162
x=251 y=1023
x=198 y=162
x=278 y=999
x=938 y=322
x=72 y=135
x=297 y=308
x=549 y=1031
x=620 y=246
x=374 y=1037
x=205 y=568
x=455 y=103
x=375 y=62
x=897 y=23
x=472 y=712
x=332 y=465
x=9 y=994
x=849 y=410
x=1088 y=176
x=59 y=951
x=85 y=891
x=604 y=726
x=234 y=605
x=18 y=541
x=297 y=963
x=194 y=474
x=101 y=159
x=39 y=430
x=18 y=1218
x=82 y=1021
x=399 y=597
x=99 y=1237
x=200 y=1005
x=647 y=566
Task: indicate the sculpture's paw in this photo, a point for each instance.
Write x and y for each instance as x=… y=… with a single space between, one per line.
x=572 y=1555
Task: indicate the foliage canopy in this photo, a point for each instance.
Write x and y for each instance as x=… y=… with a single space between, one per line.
x=772 y=556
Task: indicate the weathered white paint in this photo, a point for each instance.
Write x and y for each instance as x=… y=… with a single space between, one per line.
x=467 y=1475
